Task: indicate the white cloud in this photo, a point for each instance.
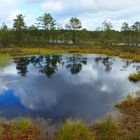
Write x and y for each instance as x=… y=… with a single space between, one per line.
x=14 y=13
x=94 y=12
x=52 y=6
x=88 y=75
x=9 y=70
x=91 y=12
x=7 y=9
x=3 y=89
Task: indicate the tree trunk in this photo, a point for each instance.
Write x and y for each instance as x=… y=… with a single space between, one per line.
x=73 y=37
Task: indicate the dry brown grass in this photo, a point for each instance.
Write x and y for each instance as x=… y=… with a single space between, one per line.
x=113 y=51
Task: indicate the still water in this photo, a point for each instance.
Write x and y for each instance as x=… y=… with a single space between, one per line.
x=67 y=86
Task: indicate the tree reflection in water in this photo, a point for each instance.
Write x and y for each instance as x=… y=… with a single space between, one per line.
x=106 y=61
x=48 y=65
x=74 y=64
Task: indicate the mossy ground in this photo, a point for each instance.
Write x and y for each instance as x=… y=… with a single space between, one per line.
x=22 y=129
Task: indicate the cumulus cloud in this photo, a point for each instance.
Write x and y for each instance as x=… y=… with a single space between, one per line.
x=91 y=12
x=8 y=70
x=94 y=12
x=7 y=8
x=13 y=14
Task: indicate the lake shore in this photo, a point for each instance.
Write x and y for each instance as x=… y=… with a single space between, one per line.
x=123 y=52
x=125 y=127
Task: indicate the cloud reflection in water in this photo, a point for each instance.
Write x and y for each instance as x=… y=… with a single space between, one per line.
x=60 y=87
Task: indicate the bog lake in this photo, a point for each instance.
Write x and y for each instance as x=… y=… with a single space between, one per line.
x=58 y=87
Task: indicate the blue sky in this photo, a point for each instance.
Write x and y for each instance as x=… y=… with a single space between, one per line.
x=91 y=12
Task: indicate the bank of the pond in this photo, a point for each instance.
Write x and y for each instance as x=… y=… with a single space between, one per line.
x=112 y=51
x=4 y=59
x=126 y=127
x=134 y=77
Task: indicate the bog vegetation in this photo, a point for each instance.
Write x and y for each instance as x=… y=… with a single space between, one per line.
x=135 y=77
x=125 y=127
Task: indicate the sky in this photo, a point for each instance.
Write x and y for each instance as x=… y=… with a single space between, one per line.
x=91 y=12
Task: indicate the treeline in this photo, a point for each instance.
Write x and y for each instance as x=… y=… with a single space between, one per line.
x=46 y=31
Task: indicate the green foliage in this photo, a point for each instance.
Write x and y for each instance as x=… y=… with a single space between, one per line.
x=125 y=27
x=46 y=22
x=108 y=124
x=74 y=24
x=47 y=31
x=136 y=26
x=74 y=130
x=107 y=25
x=19 y=26
x=19 y=23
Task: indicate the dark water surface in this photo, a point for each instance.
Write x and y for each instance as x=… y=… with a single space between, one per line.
x=60 y=87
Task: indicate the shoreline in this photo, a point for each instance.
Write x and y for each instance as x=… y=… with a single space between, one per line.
x=113 y=51
x=125 y=127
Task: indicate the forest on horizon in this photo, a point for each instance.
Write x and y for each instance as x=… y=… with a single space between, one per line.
x=47 y=31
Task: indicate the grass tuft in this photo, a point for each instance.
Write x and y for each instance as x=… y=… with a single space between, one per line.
x=107 y=129
x=135 y=77
x=21 y=125
x=74 y=130
x=22 y=129
x=108 y=124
